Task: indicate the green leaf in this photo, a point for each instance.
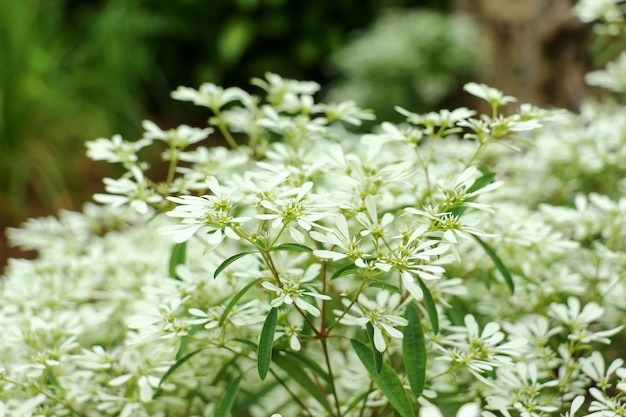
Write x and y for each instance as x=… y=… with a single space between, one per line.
x=311 y=364
x=222 y=409
x=414 y=350
x=481 y=182
x=247 y=343
x=344 y=271
x=498 y=262
x=431 y=308
x=229 y=261
x=264 y=352
x=295 y=372
x=179 y=252
x=236 y=298
x=387 y=380
x=377 y=356
x=175 y=366
x=292 y=247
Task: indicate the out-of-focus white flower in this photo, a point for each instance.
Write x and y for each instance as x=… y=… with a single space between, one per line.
x=466 y=410
x=178 y=138
x=606 y=10
x=578 y=321
x=493 y=96
x=124 y=191
x=115 y=149
x=210 y=95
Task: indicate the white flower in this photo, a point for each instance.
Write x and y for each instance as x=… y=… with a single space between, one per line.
x=493 y=96
x=480 y=350
x=210 y=95
x=578 y=321
x=376 y=313
x=297 y=206
x=612 y=78
x=159 y=322
x=606 y=10
x=210 y=212
x=575 y=406
x=338 y=237
x=115 y=149
x=290 y=292
x=137 y=194
x=466 y=410
x=594 y=368
x=373 y=225
x=346 y=111
x=278 y=88
x=603 y=405
x=179 y=138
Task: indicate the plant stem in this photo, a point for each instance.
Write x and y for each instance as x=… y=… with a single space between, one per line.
x=331 y=377
x=225 y=132
x=293 y=395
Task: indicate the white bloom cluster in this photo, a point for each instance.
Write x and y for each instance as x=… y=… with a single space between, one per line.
x=312 y=270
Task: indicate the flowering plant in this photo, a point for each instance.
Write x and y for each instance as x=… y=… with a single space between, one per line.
x=454 y=263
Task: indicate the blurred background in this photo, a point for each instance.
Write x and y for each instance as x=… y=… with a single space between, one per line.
x=77 y=70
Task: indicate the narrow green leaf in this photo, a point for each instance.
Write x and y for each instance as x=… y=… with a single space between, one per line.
x=431 y=308
x=229 y=261
x=355 y=402
x=386 y=380
x=247 y=343
x=295 y=372
x=310 y=363
x=236 y=298
x=266 y=340
x=344 y=271
x=414 y=350
x=178 y=256
x=498 y=263
x=482 y=181
x=222 y=409
x=377 y=356
x=174 y=367
x=292 y=247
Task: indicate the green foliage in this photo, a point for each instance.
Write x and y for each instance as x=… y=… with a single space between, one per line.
x=408 y=58
x=67 y=71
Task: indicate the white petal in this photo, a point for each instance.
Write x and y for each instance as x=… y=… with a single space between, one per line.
x=328 y=254
x=379 y=340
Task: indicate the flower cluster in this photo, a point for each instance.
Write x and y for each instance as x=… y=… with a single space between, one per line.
x=313 y=269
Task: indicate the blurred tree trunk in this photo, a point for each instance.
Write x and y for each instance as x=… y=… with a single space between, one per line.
x=537 y=49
